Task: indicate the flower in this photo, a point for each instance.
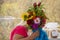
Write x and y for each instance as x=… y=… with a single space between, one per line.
x=24 y=15
x=42 y=25
x=37 y=20
x=39 y=3
x=30 y=17
x=34 y=17
x=30 y=22
x=35 y=26
x=43 y=22
x=35 y=4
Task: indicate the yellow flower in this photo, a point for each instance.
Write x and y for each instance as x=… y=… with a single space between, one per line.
x=24 y=14
x=32 y=16
x=27 y=14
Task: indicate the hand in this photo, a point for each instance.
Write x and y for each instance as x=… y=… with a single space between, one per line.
x=34 y=35
x=35 y=30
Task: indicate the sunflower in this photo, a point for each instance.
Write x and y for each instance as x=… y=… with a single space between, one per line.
x=24 y=16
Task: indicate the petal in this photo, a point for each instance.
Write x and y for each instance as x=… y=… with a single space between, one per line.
x=37 y=21
x=35 y=26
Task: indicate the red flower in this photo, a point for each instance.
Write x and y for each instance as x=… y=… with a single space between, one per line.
x=34 y=4
x=42 y=25
x=43 y=22
x=30 y=22
x=39 y=3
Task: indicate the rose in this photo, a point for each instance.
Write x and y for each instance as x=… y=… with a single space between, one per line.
x=39 y=3
x=43 y=22
x=35 y=4
x=30 y=22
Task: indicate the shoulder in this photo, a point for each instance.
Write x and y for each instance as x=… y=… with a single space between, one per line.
x=20 y=27
x=21 y=30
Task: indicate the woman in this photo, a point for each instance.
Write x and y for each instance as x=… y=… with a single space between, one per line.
x=35 y=19
x=20 y=33
x=42 y=35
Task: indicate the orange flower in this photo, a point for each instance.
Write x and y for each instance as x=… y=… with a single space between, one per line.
x=34 y=17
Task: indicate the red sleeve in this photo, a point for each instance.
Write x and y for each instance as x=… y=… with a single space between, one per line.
x=21 y=31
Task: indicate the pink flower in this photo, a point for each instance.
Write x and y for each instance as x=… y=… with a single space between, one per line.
x=37 y=20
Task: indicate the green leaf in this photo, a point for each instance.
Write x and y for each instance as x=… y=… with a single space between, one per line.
x=29 y=27
x=41 y=7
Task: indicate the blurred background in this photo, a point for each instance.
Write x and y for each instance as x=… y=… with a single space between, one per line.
x=10 y=12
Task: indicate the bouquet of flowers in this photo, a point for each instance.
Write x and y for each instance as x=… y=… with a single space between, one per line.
x=35 y=16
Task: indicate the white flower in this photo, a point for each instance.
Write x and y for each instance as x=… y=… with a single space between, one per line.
x=37 y=20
